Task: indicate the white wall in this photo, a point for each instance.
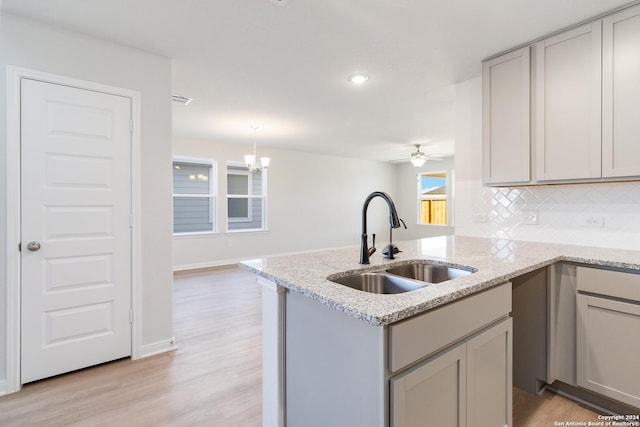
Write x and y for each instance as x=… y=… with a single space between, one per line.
x=560 y=207
x=407 y=201
x=28 y=44
x=313 y=202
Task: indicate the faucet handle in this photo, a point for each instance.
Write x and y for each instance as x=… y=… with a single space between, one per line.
x=402 y=221
x=374 y=240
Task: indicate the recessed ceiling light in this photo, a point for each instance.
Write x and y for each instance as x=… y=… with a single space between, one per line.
x=358 y=79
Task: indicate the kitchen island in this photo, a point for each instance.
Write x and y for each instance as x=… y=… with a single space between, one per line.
x=336 y=355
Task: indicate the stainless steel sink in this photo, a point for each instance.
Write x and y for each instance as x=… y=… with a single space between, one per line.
x=428 y=272
x=379 y=283
x=404 y=278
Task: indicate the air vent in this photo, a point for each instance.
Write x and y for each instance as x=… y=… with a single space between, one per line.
x=280 y=2
x=185 y=100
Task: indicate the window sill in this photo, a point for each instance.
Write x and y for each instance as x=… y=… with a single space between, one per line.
x=195 y=235
x=254 y=230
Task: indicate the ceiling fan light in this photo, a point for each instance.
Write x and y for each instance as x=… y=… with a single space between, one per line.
x=358 y=79
x=418 y=161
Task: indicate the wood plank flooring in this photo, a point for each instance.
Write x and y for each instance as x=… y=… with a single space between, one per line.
x=213 y=379
x=548 y=409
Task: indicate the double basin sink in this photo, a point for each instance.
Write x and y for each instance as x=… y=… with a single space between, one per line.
x=404 y=278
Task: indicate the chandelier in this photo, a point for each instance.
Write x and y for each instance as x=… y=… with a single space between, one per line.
x=250 y=159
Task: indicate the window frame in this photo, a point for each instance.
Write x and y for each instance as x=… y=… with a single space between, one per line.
x=212 y=195
x=247 y=173
x=447 y=197
x=249 y=197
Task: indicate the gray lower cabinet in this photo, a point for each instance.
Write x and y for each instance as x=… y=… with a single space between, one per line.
x=448 y=366
x=609 y=348
x=467 y=385
x=434 y=391
x=563 y=291
x=490 y=377
x=608 y=334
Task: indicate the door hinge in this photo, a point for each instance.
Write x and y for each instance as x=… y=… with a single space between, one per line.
x=19 y=247
x=130 y=221
x=131 y=126
x=131 y=316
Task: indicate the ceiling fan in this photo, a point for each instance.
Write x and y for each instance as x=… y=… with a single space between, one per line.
x=418 y=158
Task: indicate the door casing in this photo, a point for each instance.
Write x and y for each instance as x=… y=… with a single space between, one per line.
x=13 y=279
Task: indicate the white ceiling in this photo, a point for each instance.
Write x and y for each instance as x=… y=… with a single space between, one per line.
x=283 y=65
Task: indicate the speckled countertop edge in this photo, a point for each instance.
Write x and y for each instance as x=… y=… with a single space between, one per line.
x=495 y=260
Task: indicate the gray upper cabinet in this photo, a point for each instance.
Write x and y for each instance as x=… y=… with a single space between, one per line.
x=506 y=133
x=568 y=104
x=572 y=115
x=621 y=94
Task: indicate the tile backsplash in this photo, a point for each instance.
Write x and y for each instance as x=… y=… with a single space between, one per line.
x=598 y=214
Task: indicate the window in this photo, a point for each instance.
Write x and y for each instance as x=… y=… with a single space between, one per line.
x=246 y=198
x=432 y=198
x=194 y=196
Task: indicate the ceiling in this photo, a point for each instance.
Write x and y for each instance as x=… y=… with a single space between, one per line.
x=283 y=64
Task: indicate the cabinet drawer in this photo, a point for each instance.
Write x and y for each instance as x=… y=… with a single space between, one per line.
x=606 y=282
x=425 y=334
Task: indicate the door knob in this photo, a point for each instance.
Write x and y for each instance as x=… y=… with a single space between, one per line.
x=33 y=246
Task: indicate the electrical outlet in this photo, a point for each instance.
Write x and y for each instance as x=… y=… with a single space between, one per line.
x=593 y=221
x=479 y=217
x=530 y=217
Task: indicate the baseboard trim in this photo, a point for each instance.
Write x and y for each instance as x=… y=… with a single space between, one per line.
x=3 y=387
x=158 y=347
x=206 y=265
x=226 y=263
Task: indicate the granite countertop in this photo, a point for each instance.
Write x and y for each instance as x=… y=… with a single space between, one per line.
x=495 y=260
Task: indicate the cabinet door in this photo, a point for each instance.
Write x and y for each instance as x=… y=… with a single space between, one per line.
x=433 y=393
x=506 y=141
x=608 y=346
x=621 y=94
x=568 y=105
x=490 y=377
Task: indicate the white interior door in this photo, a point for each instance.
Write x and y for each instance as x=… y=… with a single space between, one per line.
x=75 y=228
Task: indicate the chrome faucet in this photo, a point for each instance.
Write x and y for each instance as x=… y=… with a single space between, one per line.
x=365 y=250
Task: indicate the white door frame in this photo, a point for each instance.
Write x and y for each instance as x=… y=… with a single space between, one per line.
x=13 y=303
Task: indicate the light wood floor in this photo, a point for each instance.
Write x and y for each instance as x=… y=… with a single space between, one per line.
x=530 y=410
x=213 y=379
